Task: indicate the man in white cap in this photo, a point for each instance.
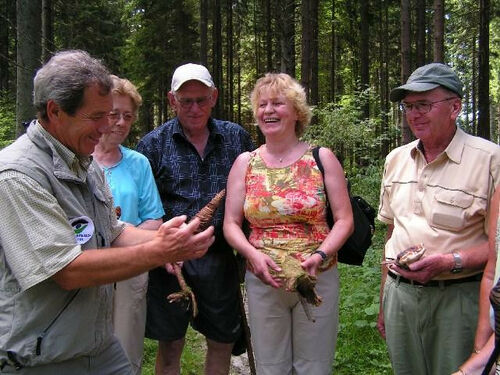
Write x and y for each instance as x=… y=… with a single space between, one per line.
x=435 y=192
x=191 y=156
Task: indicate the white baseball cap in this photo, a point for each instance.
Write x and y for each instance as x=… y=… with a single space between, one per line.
x=189 y=72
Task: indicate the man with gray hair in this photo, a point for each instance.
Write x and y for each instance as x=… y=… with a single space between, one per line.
x=56 y=273
x=191 y=156
x=434 y=197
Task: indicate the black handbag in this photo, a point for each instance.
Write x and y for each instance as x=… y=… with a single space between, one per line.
x=354 y=249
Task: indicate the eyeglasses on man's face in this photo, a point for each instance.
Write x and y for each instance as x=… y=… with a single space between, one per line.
x=116 y=115
x=187 y=103
x=421 y=107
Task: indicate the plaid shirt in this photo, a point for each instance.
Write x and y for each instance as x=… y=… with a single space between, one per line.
x=185 y=180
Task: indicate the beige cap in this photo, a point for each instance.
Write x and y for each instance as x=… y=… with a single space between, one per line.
x=189 y=72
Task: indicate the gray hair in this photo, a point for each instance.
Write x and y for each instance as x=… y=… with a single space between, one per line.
x=64 y=79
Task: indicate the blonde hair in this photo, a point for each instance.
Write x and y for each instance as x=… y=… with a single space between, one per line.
x=122 y=86
x=282 y=84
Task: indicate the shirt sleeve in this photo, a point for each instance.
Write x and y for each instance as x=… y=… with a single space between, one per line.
x=150 y=205
x=37 y=239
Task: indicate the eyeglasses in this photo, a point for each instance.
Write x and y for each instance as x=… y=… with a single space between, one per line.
x=187 y=103
x=115 y=116
x=421 y=107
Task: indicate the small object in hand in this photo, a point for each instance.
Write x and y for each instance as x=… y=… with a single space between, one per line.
x=205 y=215
x=410 y=255
x=407 y=256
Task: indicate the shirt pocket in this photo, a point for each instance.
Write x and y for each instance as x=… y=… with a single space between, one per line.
x=449 y=210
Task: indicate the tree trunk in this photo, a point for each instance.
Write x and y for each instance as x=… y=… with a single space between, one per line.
x=483 y=126
x=438 y=30
x=29 y=25
x=365 y=54
x=269 y=37
x=286 y=29
x=305 y=63
x=204 y=32
x=405 y=61
x=230 y=60
x=47 y=30
x=217 y=59
x=421 y=27
x=314 y=90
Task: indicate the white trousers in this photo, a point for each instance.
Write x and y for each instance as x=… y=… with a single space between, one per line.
x=284 y=341
x=129 y=317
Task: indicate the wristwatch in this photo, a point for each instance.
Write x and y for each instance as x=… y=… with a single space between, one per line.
x=457 y=266
x=321 y=254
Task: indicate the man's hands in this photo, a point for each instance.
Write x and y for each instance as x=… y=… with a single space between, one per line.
x=175 y=240
x=426 y=268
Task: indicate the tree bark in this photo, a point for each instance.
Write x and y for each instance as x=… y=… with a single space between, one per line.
x=47 y=30
x=29 y=25
x=305 y=63
x=438 y=23
x=421 y=27
x=217 y=57
x=314 y=89
x=405 y=61
x=365 y=53
x=483 y=128
x=286 y=29
x=204 y=32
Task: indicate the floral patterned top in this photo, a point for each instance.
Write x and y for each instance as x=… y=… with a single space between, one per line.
x=286 y=208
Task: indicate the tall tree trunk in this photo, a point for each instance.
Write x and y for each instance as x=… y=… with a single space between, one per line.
x=4 y=45
x=269 y=37
x=47 y=30
x=365 y=53
x=217 y=59
x=204 y=32
x=286 y=29
x=230 y=62
x=305 y=63
x=384 y=74
x=29 y=25
x=438 y=23
x=333 y=57
x=314 y=93
x=483 y=128
x=420 y=30
x=405 y=61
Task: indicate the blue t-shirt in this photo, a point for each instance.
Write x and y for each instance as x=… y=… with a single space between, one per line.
x=133 y=187
x=185 y=180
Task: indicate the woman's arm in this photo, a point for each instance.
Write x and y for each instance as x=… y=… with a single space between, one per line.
x=340 y=204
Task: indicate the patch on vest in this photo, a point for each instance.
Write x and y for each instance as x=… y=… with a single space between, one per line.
x=83 y=227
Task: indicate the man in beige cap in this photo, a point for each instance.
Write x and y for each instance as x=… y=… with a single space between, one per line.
x=435 y=191
x=191 y=156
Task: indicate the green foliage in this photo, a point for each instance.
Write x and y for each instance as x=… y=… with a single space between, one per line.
x=7 y=119
x=341 y=127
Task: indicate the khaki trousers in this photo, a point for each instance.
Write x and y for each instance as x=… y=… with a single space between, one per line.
x=429 y=330
x=129 y=317
x=283 y=339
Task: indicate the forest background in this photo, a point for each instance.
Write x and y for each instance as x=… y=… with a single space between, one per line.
x=348 y=54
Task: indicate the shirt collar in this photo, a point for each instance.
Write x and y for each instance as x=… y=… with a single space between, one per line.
x=453 y=151
x=62 y=155
x=213 y=129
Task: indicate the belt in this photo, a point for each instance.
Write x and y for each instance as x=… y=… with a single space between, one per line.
x=438 y=283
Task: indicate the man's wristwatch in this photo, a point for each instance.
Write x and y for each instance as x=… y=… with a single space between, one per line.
x=457 y=266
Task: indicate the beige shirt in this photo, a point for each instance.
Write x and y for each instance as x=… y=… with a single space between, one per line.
x=443 y=204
